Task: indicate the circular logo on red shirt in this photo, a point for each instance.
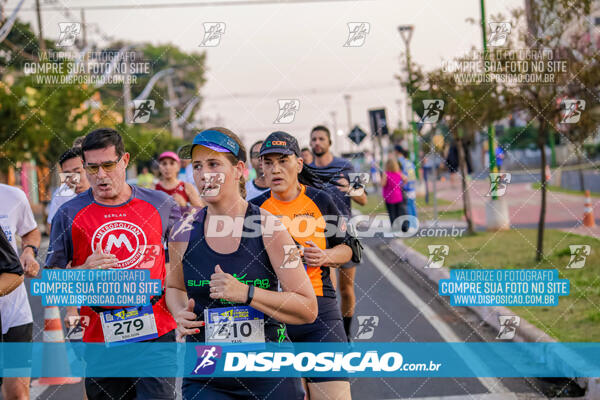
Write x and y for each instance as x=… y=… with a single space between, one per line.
x=123 y=239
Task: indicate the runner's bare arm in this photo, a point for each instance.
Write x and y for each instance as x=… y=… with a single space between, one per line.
x=360 y=199
x=333 y=257
x=296 y=304
x=193 y=195
x=176 y=297
x=30 y=265
x=9 y=282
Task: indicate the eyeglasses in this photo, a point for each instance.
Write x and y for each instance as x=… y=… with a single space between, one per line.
x=107 y=166
x=254 y=154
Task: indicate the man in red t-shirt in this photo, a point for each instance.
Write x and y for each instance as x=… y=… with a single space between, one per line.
x=118 y=226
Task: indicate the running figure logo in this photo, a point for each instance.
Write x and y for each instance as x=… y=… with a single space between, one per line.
x=287 y=110
x=499 y=32
x=185 y=224
x=212 y=183
x=212 y=34
x=498 y=183
x=432 y=110
x=437 y=255
x=366 y=326
x=292 y=256
x=281 y=333
x=508 y=326
x=223 y=325
x=68 y=182
x=68 y=33
x=77 y=325
x=358 y=181
x=357 y=34
x=579 y=252
x=572 y=109
x=142 y=111
x=207 y=359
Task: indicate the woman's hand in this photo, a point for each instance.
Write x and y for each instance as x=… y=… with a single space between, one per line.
x=314 y=255
x=225 y=286
x=186 y=321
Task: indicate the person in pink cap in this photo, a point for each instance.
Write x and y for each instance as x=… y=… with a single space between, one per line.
x=183 y=193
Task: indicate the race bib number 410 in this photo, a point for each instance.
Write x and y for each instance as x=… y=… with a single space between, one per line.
x=132 y=324
x=241 y=324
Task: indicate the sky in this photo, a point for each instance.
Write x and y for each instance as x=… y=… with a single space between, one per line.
x=295 y=51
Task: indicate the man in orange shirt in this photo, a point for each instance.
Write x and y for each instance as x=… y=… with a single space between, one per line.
x=304 y=210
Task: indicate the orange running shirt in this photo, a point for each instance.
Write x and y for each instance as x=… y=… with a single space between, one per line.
x=305 y=218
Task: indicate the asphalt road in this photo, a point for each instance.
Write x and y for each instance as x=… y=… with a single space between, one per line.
x=408 y=310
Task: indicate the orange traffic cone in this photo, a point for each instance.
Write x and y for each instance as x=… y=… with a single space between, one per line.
x=53 y=333
x=588 y=211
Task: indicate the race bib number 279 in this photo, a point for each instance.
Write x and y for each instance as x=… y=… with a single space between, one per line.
x=132 y=324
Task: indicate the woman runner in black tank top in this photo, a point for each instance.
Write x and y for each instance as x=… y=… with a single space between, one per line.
x=249 y=264
x=230 y=281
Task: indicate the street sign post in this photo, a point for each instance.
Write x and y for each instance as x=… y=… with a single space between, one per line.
x=378 y=122
x=379 y=128
x=357 y=135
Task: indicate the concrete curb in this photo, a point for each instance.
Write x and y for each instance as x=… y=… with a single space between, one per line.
x=527 y=332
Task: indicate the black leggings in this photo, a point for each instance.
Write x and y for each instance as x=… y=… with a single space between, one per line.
x=395 y=210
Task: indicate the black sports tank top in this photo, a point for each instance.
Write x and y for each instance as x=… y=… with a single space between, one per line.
x=250 y=264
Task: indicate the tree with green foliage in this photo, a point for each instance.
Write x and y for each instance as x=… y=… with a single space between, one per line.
x=41 y=120
x=583 y=85
x=543 y=29
x=467 y=109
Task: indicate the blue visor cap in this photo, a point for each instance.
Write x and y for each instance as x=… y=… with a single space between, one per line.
x=214 y=140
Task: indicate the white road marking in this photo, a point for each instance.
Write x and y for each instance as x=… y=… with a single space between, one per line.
x=36 y=391
x=488 y=396
x=494 y=385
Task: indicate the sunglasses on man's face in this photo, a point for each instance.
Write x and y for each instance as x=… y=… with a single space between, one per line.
x=107 y=166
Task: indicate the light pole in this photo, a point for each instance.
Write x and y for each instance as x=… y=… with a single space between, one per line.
x=337 y=141
x=347 y=98
x=491 y=130
x=406 y=32
x=496 y=209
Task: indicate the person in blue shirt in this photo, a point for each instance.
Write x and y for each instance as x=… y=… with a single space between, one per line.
x=499 y=157
x=339 y=168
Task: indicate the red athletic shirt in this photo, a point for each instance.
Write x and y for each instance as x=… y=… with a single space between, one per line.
x=134 y=231
x=179 y=189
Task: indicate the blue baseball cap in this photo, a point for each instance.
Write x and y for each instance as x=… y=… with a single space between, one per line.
x=214 y=140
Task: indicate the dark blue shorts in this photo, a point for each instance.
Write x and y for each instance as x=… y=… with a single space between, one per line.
x=328 y=327
x=242 y=388
x=135 y=388
x=349 y=264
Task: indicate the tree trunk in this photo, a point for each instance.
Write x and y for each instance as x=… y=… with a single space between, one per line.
x=542 y=221
x=462 y=165
x=580 y=169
